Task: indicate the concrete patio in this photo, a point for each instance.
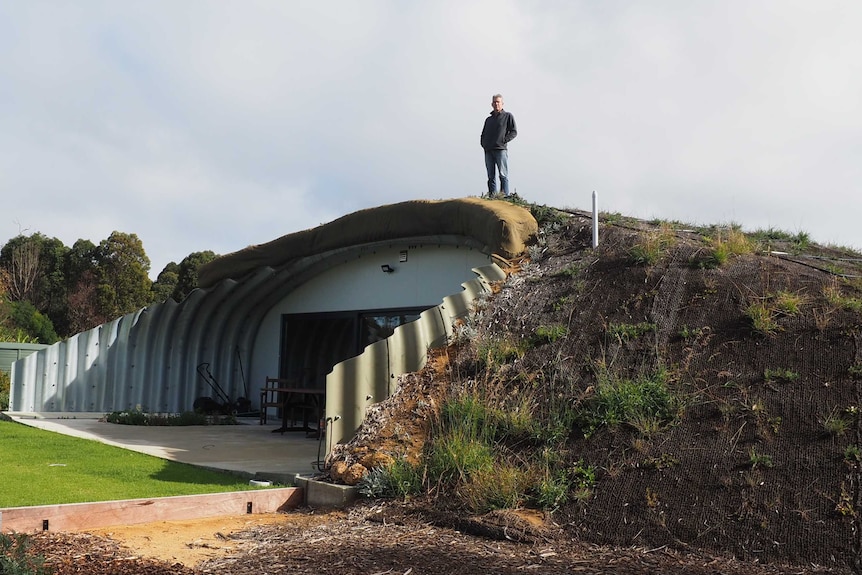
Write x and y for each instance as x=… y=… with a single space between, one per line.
x=248 y=449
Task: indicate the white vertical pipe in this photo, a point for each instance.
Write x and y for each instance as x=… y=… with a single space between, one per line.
x=595 y=220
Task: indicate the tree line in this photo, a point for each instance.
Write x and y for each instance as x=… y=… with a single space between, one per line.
x=50 y=291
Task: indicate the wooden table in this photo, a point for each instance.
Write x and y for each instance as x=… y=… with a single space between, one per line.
x=308 y=400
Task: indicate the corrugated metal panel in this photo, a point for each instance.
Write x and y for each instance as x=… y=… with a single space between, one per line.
x=370 y=377
x=149 y=358
x=10 y=352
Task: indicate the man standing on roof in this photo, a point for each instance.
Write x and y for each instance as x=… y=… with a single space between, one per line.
x=498 y=131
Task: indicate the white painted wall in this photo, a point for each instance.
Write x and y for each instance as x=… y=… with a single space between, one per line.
x=429 y=274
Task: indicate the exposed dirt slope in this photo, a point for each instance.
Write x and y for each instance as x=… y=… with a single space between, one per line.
x=763 y=462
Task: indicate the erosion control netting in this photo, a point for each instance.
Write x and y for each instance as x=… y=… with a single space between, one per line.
x=763 y=460
x=759 y=464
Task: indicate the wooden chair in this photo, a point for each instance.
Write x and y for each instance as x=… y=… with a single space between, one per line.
x=272 y=396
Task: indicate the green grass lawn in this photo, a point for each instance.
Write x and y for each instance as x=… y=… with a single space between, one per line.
x=41 y=468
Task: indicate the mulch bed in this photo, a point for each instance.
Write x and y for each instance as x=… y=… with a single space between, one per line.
x=372 y=539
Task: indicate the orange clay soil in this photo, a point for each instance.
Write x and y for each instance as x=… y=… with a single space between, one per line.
x=192 y=541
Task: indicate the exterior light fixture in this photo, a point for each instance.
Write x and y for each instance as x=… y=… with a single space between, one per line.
x=387 y=269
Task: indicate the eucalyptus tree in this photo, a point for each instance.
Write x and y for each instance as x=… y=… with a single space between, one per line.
x=123 y=275
x=187 y=279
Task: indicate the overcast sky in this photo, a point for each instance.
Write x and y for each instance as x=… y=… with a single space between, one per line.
x=218 y=124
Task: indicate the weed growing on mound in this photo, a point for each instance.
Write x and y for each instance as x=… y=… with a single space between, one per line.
x=494 y=353
x=545 y=216
x=787 y=303
x=838 y=300
x=502 y=487
x=624 y=331
x=398 y=479
x=853 y=455
x=756 y=459
x=688 y=333
x=762 y=317
x=764 y=313
x=645 y=404
x=722 y=244
x=652 y=245
x=799 y=241
x=779 y=375
x=549 y=333
x=476 y=452
x=835 y=423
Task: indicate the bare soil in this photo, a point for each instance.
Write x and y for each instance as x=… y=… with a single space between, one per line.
x=190 y=542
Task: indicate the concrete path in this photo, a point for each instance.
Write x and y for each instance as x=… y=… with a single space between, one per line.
x=249 y=449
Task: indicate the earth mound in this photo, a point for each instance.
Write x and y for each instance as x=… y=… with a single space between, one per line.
x=756 y=340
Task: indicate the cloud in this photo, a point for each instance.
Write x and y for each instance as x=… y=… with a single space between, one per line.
x=214 y=125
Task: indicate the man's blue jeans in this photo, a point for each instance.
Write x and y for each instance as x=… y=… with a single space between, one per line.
x=497 y=160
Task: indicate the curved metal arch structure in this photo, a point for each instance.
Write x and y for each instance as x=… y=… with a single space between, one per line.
x=148 y=359
x=356 y=383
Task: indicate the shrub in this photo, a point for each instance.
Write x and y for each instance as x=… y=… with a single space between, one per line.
x=552 y=491
x=399 y=479
x=33 y=323
x=14 y=559
x=138 y=417
x=375 y=484
x=547 y=217
x=5 y=385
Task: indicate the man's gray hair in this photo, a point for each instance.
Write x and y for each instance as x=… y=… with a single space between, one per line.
x=495 y=96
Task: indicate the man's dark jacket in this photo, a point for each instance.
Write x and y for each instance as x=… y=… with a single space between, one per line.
x=498 y=131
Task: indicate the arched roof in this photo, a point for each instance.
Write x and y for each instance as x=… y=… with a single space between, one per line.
x=501 y=227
